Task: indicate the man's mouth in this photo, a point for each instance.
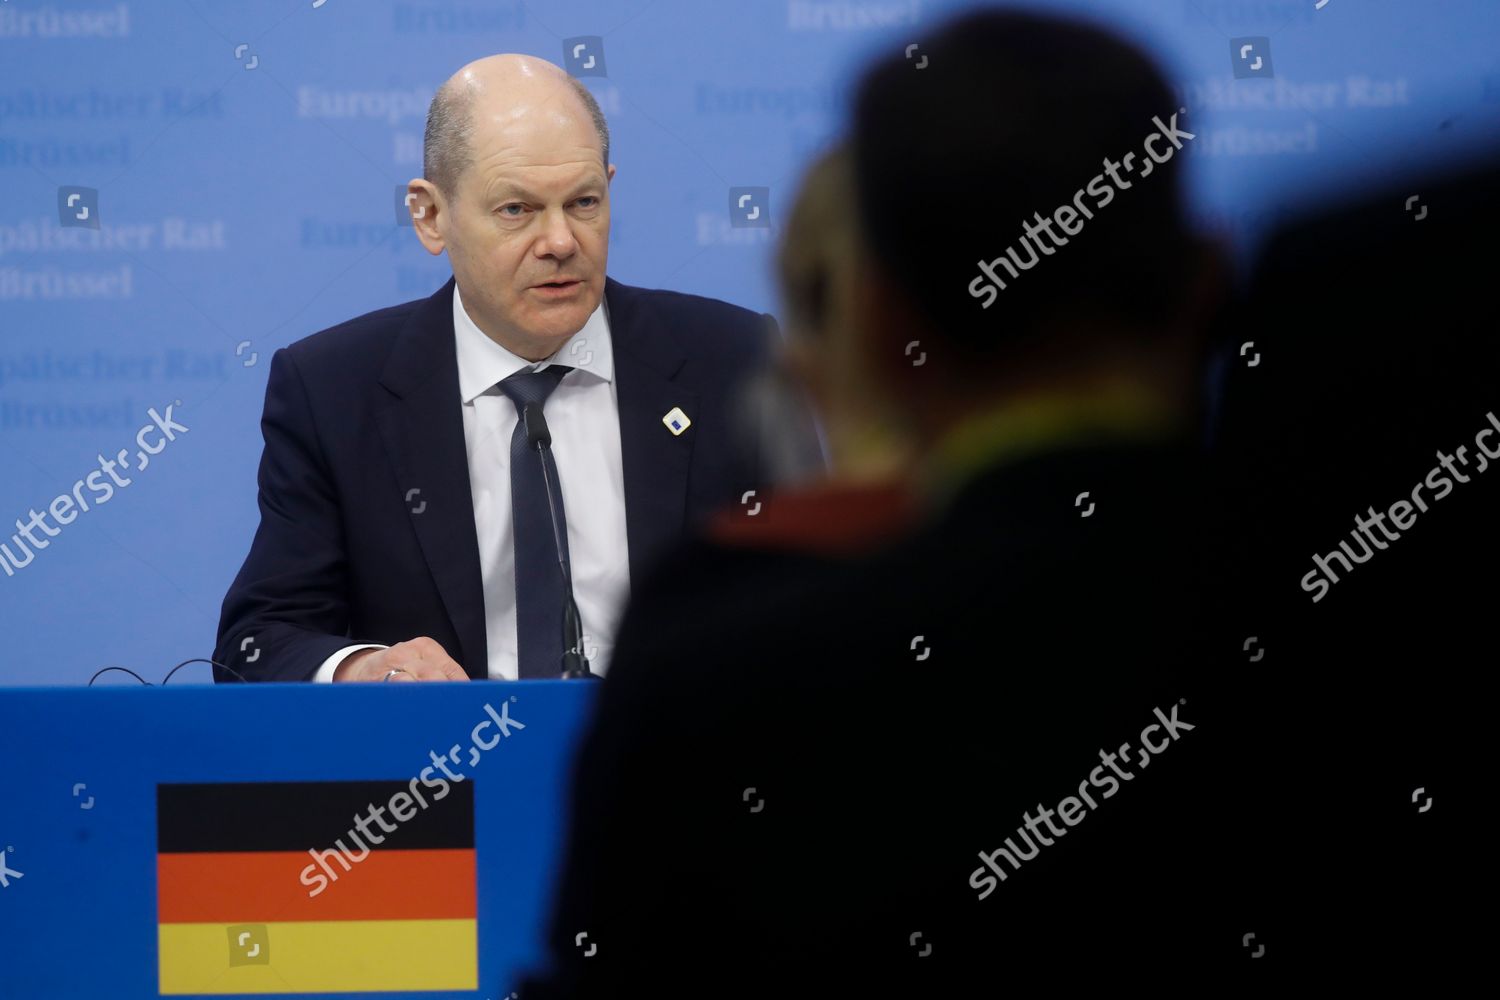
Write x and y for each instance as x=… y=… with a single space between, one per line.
x=558 y=284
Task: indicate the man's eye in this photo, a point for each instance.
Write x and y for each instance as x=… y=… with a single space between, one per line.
x=592 y=201
x=520 y=208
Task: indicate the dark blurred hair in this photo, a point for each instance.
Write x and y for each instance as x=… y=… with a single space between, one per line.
x=1012 y=114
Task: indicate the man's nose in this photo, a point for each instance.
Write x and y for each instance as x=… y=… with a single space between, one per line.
x=557 y=238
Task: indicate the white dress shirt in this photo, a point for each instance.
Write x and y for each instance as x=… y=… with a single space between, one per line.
x=584 y=419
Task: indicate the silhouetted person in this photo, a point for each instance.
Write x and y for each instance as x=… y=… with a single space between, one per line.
x=918 y=771
x=1360 y=454
x=863 y=496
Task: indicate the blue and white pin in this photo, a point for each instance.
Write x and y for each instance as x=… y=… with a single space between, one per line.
x=676 y=420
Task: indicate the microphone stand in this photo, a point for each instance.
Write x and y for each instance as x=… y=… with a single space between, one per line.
x=575 y=664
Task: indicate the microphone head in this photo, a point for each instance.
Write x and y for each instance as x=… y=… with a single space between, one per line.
x=537 y=434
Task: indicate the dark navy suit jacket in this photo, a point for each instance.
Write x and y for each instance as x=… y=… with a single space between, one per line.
x=362 y=415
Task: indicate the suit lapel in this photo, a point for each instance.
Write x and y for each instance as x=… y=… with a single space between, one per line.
x=655 y=461
x=422 y=425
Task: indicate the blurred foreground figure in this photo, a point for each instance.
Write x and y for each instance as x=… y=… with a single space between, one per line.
x=991 y=746
x=1362 y=465
x=863 y=497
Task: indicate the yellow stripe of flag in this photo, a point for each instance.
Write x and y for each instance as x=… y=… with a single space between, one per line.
x=320 y=957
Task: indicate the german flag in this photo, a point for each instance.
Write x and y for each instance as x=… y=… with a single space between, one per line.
x=316 y=887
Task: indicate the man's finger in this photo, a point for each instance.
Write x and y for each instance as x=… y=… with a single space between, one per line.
x=410 y=668
x=425 y=648
x=426 y=670
x=418 y=670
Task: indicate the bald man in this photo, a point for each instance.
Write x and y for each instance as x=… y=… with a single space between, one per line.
x=442 y=478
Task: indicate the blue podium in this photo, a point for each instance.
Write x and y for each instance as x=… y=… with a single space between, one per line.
x=273 y=839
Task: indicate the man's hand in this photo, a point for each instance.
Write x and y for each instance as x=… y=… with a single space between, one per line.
x=419 y=659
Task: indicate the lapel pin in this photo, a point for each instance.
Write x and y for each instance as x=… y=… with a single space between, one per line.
x=676 y=420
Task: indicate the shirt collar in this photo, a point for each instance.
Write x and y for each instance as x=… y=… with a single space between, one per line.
x=482 y=362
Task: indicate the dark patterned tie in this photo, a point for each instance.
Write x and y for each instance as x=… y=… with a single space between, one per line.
x=539 y=581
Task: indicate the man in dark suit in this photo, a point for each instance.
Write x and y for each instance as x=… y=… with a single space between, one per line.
x=406 y=512
x=1000 y=748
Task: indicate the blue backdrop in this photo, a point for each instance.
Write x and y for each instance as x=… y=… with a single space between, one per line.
x=191 y=184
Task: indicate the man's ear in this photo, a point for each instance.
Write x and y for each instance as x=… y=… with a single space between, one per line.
x=425 y=202
x=610 y=174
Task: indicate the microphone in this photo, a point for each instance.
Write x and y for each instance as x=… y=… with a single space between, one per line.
x=574 y=663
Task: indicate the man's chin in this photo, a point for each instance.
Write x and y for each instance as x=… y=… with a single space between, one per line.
x=554 y=322
x=552 y=336
x=561 y=319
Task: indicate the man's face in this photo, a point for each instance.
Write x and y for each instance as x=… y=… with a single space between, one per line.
x=527 y=230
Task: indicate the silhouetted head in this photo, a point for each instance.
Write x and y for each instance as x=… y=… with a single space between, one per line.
x=823 y=350
x=994 y=121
